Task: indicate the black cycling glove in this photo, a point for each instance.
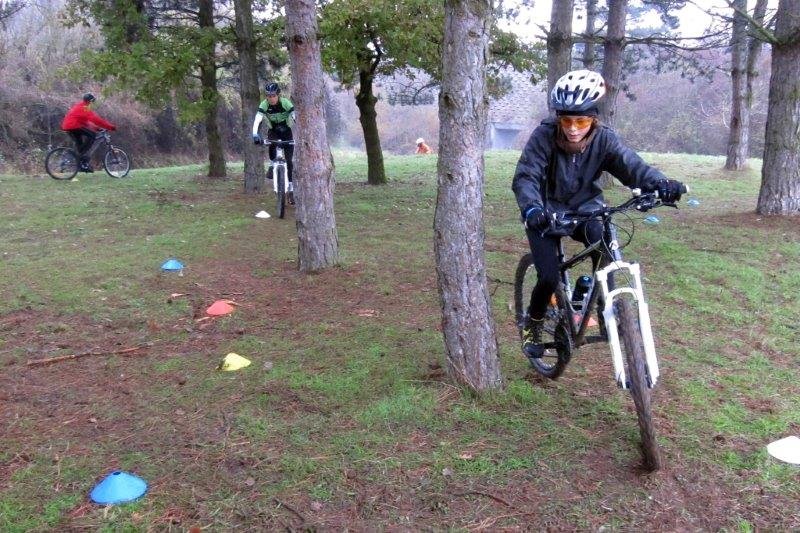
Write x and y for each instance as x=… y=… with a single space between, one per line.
x=537 y=218
x=670 y=191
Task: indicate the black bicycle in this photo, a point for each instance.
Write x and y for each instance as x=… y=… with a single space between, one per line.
x=63 y=162
x=615 y=289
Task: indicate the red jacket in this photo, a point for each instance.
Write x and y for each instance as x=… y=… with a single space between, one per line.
x=80 y=116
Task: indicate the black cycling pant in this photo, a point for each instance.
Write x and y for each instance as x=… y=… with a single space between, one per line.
x=277 y=134
x=83 y=137
x=545 y=259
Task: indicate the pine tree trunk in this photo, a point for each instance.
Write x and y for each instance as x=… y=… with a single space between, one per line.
x=317 y=238
x=467 y=322
x=246 y=47
x=366 y=100
x=780 y=174
x=559 y=42
x=740 y=117
x=208 y=81
x=589 y=53
x=613 y=49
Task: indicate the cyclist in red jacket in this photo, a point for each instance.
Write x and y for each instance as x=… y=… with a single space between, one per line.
x=81 y=123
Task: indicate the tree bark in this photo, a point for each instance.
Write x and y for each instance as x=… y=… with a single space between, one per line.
x=613 y=48
x=589 y=54
x=208 y=81
x=559 y=42
x=366 y=100
x=744 y=56
x=780 y=173
x=317 y=238
x=740 y=117
x=467 y=323
x=248 y=91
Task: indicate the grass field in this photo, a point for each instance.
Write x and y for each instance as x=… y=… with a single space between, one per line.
x=345 y=418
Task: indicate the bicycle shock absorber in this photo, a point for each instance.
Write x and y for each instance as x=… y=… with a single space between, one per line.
x=634 y=272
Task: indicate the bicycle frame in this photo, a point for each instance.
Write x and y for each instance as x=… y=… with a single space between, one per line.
x=603 y=287
x=280 y=161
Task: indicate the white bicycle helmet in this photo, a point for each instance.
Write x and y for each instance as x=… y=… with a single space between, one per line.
x=577 y=91
x=420 y=140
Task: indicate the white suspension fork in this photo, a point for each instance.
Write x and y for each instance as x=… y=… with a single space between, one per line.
x=635 y=290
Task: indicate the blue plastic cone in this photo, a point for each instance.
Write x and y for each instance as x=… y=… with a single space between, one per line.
x=118 y=487
x=693 y=202
x=652 y=220
x=172 y=265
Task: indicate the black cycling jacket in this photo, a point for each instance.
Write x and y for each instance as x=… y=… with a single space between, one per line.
x=573 y=183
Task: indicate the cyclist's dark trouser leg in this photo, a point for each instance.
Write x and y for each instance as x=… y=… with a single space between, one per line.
x=589 y=233
x=545 y=259
x=271 y=150
x=83 y=138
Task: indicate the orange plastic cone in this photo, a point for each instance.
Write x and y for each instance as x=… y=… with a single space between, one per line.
x=219 y=308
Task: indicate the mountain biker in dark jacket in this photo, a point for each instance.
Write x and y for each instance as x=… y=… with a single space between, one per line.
x=560 y=170
x=81 y=123
x=279 y=112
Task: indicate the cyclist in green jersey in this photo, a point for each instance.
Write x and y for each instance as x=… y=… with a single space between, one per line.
x=279 y=114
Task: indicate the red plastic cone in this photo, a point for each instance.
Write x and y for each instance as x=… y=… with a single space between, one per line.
x=219 y=308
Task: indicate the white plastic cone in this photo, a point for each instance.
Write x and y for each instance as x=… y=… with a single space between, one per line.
x=786 y=450
x=262 y=214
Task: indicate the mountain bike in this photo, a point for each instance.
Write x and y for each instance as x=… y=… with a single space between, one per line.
x=616 y=291
x=280 y=180
x=63 y=162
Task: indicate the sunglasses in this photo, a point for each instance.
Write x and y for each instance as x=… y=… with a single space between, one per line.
x=578 y=122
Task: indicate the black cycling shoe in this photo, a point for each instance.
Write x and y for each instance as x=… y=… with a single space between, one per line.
x=290 y=197
x=532 y=339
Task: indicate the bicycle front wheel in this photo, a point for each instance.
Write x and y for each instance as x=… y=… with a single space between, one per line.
x=556 y=335
x=280 y=177
x=637 y=380
x=117 y=163
x=61 y=163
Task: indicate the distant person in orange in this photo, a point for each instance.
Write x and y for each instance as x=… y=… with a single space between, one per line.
x=423 y=148
x=81 y=123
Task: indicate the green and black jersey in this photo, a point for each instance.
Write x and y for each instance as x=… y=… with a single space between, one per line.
x=279 y=116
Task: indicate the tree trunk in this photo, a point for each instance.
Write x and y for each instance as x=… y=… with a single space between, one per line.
x=740 y=118
x=559 y=42
x=589 y=54
x=467 y=322
x=365 y=100
x=317 y=239
x=613 y=48
x=780 y=174
x=208 y=81
x=248 y=91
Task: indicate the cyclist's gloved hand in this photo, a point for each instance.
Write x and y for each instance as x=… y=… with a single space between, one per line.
x=670 y=191
x=537 y=218
x=256 y=139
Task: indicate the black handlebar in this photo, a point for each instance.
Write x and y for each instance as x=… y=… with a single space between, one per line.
x=277 y=142
x=563 y=222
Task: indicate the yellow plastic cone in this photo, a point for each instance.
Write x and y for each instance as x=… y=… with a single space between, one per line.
x=233 y=361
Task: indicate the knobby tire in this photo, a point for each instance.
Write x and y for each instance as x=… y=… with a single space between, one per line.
x=556 y=329
x=61 y=163
x=116 y=163
x=637 y=381
x=281 y=183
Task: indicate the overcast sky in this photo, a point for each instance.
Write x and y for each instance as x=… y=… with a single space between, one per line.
x=694 y=19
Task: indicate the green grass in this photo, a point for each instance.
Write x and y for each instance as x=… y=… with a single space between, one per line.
x=352 y=411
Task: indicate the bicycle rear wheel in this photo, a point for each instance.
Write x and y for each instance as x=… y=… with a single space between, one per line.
x=61 y=163
x=556 y=335
x=280 y=176
x=117 y=163
x=637 y=380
